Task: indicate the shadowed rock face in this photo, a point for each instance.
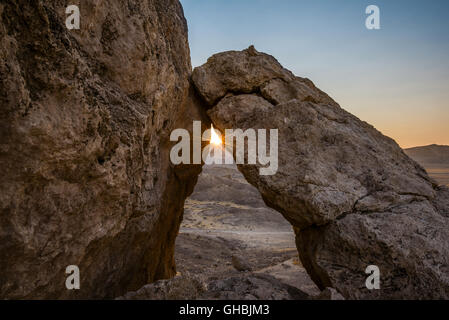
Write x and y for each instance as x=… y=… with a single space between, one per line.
x=85 y=121
x=354 y=197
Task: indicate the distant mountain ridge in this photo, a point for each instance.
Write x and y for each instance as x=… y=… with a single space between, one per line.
x=434 y=158
x=430 y=155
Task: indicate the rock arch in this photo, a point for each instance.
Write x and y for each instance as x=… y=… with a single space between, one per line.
x=85 y=121
x=352 y=195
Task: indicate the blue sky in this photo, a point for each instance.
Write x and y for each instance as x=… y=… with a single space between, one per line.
x=396 y=78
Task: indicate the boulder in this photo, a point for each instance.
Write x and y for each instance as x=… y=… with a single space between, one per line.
x=240 y=264
x=85 y=120
x=352 y=195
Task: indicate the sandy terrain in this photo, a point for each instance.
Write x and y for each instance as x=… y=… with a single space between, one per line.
x=226 y=217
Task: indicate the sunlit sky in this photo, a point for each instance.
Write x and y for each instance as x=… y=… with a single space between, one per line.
x=396 y=78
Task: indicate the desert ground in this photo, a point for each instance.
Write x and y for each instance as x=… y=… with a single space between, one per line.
x=226 y=217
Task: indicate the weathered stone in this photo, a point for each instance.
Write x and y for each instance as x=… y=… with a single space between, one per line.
x=329 y=294
x=252 y=287
x=353 y=196
x=85 y=121
x=239 y=264
x=245 y=287
x=181 y=287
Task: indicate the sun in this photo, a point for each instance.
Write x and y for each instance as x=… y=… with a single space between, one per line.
x=215 y=139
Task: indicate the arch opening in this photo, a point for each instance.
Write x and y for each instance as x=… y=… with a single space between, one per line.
x=232 y=242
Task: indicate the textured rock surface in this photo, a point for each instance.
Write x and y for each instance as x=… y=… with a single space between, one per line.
x=253 y=287
x=85 y=120
x=353 y=196
x=184 y=287
x=240 y=264
x=329 y=294
x=244 y=287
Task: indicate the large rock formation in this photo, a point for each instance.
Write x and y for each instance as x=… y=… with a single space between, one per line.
x=354 y=198
x=85 y=119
